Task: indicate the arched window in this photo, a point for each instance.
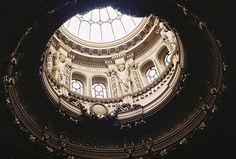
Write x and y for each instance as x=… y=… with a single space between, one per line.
x=152 y=74
x=77 y=86
x=167 y=58
x=164 y=56
x=149 y=72
x=78 y=83
x=99 y=90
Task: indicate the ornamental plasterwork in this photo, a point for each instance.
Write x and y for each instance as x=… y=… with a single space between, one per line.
x=121 y=70
x=137 y=80
x=114 y=86
x=121 y=47
x=138 y=50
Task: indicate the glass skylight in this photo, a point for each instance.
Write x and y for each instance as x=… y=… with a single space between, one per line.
x=102 y=25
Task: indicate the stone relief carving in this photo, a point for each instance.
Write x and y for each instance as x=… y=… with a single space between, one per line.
x=50 y=61
x=169 y=38
x=183 y=141
x=59 y=63
x=114 y=86
x=112 y=78
x=135 y=75
x=122 y=71
x=163 y=152
x=136 y=79
x=68 y=74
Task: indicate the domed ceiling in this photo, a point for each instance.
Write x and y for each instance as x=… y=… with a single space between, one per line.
x=102 y=25
x=113 y=80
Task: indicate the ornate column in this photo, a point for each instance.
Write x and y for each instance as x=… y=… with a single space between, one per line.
x=114 y=86
x=49 y=61
x=113 y=83
x=136 y=78
x=68 y=78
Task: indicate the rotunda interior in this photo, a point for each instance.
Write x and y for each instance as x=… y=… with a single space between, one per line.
x=116 y=79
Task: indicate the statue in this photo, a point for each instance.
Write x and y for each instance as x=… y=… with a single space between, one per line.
x=169 y=37
x=163 y=30
x=122 y=72
x=58 y=70
x=171 y=40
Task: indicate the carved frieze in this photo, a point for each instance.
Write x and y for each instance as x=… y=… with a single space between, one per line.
x=114 y=86
x=137 y=80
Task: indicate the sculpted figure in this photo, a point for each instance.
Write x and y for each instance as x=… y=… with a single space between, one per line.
x=163 y=30
x=169 y=37
x=58 y=70
x=122 y=72
x=172 y=40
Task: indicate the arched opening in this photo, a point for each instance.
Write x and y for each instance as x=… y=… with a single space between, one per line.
x=77 y=86
x=152 y=74
x=149 y=72
x=99 y=87
x=164 y=56
x=78 y=83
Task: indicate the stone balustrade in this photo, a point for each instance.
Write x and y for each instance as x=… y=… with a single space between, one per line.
x=149 y=96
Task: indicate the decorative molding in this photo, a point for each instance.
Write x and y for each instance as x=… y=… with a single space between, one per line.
x=136 y=79
x=55 y=144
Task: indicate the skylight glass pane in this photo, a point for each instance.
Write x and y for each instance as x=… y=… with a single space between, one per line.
x=95 y=33
x=107 y=33
x=137 y=20
x=118 y=29
x=112 y=13
x=102 y=25
x=84 y=31
x=128 y=24
x=95 y=15
x=87 y=16
x=104 y=15
x=66 y=23
x=73 y=26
